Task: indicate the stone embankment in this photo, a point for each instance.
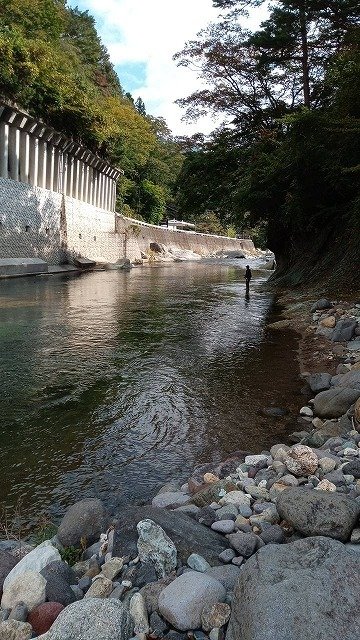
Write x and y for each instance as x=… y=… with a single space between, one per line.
x=258 y=547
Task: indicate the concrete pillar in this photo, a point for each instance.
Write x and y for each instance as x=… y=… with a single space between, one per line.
x=50 y=164
x=24 y=156
x=91 y=185
x=65 y=171
x=34 y=161
x=113 y=205
x=4 y=149
x=103 y=199
x=42 y=164
x=100 y=187
x=76 y=180
x=14 y=153
x=95 y=187
x=70 y=180
x=86 y=187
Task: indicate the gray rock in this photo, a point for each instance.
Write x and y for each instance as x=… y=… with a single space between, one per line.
x=335 y=402
x=152 y=590
x=85 y=519
x=295 y=584
x=92 y=619
x=344 y=330
x=158 y=625
x=59 y=576
x=227 y=575
x=84 y=583
x=226 y=511
x=350 y=379
x=188 y=535
x=15 y=630
x=141 y=573
x=139 y=614
x=223 y=526
x=28 y=587
x=19 y=612
x=319 y=382
x=155 y=546
x=181 y=603
x=352 y=468
x=198 y=563
x=101 y=588
x=318 y=513
x=227 y=555
x=273 y=535
x=321 y=305
x=170 y=500
x=244 y=543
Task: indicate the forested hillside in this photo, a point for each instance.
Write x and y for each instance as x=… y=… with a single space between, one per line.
x=54 y=65
x=287 y=158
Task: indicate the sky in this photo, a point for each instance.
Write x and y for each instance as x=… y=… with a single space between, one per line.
x=142 y=36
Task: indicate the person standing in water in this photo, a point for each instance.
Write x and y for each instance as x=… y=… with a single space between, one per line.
x=248 y=276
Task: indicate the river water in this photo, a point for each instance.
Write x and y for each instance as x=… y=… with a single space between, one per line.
x=113 y=383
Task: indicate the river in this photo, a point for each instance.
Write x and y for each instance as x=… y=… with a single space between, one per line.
x=115 y=382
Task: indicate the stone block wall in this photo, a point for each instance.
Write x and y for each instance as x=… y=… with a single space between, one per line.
x=90 y=232
x=30 y=222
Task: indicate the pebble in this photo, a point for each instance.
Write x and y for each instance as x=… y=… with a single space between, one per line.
x=215 y=616
x=227 y=555
x=245 y=510
x=198 y=563
x=223 y=526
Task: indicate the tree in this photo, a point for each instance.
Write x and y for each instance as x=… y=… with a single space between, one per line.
x=140 y=106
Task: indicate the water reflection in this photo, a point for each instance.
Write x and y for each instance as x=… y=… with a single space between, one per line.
x=114 y=383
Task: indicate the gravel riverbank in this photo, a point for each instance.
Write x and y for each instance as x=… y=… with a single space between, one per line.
x=263 y=546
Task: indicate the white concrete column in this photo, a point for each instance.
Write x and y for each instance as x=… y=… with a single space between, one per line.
x=82 y=182
x=24 y=156
x=14 y=153
x=50 y=164
x=91 y=185
x=65 y=172
x=34 y=161
x=109 y=194
x=103 y=200
x=75 y=190
x=4 y=149
x=95 y=186
x=113 y=202
x=86 y=186
x=70 y=180
x=100 y=187
x=42 y=164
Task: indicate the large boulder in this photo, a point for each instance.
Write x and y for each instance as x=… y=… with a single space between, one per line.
x=306 y=589
x=36 y=560
x=181 y=602
x=92 y=619
x=318 y=513
x=344 y=330
x=321 y=305
x=59 y=576
x=85 y=519
x=319 y=382
x=188 y=535
x=335 y=402
x=28 y=587
x=350 y=379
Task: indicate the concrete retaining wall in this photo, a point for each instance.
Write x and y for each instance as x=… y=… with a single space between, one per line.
x=38 y=223
x=139 y=235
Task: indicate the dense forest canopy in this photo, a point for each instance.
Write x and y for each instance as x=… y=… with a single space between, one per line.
x=288 y=154
x=54 y=65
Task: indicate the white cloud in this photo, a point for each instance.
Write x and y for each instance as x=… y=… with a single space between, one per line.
x=150 y=32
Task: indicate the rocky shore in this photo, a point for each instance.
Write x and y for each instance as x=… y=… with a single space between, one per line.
x=263 y=546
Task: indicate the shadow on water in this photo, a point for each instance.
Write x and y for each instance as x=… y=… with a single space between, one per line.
x=114 y=383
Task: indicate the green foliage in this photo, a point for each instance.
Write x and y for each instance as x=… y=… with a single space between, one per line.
x=209 y=222
x=71 y=555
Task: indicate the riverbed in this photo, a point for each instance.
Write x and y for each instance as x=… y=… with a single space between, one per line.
x=115 y=382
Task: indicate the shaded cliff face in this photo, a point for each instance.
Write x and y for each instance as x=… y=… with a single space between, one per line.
x=326 y=257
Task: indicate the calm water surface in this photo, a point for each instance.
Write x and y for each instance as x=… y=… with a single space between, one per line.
x=113 y=383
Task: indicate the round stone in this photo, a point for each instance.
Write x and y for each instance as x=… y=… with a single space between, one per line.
x=301 y=460
x=223 y=526
x=42 y=617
